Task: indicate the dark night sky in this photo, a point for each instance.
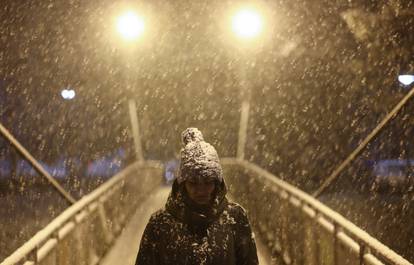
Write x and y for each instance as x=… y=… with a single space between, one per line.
x=328 y=91
x=321 y=79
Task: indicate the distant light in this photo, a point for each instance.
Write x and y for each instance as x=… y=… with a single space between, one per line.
x=406 y=79
x=130 y=26
x=68 y=94
x=247 y=23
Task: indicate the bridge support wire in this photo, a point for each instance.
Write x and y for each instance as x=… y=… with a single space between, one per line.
x=363 y=144
x=39 y=168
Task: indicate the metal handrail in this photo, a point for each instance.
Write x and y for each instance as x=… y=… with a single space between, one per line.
x=51 y=230
x=368 y=249
x=333 y=221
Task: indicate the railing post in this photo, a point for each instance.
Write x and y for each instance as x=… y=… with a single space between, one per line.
x=361 y=253
x=33 y=255
x=317 y=239
x=335 y=243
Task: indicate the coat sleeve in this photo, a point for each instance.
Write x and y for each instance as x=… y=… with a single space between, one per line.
x=147 y=253
x=246 y=253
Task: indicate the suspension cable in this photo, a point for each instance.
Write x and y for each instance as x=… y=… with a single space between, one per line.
x=39 y=168
x=363 y=144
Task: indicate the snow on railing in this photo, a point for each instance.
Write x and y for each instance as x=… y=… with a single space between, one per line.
x=298 y=228
x=84 y=231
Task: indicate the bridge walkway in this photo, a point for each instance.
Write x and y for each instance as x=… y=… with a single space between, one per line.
x=126 y=246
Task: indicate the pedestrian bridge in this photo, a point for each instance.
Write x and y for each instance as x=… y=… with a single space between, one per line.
x=291 y=226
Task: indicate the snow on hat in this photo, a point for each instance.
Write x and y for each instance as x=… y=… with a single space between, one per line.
x=199 y=159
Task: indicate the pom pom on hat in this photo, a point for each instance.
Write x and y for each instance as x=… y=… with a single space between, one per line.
x=191 y=135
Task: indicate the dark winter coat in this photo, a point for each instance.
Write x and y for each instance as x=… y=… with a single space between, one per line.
x=186 y=234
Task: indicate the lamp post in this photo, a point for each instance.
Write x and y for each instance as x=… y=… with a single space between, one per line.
x=247 y=25
x=130 y=27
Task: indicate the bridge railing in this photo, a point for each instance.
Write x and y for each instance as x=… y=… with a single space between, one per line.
x=297 y=228
x=85 y=231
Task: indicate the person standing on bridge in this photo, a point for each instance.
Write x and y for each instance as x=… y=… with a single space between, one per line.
x=198 y=225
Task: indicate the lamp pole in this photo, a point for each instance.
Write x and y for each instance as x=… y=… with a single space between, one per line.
x=245 y=95
x=135 y=129
x=246 y=25
x=131 y=27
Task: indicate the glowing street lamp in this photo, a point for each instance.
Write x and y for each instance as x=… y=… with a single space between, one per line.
x=247 y=23
x=68 y=94
x=130 y=26
x=406 y=80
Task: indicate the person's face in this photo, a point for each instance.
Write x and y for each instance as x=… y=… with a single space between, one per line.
x=200 y=191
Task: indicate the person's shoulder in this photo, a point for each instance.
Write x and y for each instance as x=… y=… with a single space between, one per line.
x=239 y=214
x=236 y=209
x=160 y=216
x=233 y=206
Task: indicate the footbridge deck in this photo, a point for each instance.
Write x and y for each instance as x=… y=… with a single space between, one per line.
x=126 y=245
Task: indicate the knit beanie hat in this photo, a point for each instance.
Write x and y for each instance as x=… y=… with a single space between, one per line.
x=199 y=159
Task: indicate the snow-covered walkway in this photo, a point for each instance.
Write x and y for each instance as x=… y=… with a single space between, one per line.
x=126 y=246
